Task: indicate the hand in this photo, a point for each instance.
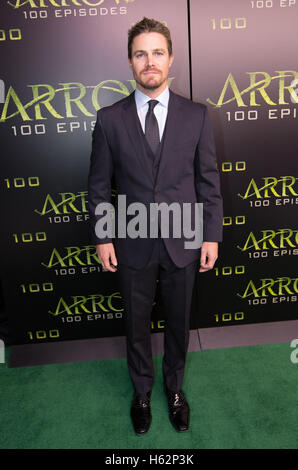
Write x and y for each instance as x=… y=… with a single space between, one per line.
x=107 y=257
x=209 y=253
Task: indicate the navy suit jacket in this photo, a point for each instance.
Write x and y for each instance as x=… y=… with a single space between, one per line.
x=187 y=172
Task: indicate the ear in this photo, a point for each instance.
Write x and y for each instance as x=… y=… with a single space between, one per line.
x=171 y=60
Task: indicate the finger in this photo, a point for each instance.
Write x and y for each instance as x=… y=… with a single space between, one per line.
x=114 y=259
x=106 y=264
x=202 y=270
x=203 y=260
x=112 y=267
x=207 y=264
x=111 y=263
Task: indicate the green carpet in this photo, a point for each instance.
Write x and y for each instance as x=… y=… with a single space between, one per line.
x=240 y=398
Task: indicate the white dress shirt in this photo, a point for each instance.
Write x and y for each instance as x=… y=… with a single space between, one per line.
x=160 y=110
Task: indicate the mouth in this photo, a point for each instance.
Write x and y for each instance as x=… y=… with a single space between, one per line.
x=150 y=72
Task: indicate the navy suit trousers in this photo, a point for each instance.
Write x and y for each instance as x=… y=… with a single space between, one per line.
x=138 y=288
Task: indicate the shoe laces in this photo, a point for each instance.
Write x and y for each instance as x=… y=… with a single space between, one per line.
x=178 y=399
x=142 y=402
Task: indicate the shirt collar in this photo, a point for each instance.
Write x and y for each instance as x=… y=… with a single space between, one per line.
x=142 y=99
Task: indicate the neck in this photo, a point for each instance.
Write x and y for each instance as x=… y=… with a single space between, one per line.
x=152 y=93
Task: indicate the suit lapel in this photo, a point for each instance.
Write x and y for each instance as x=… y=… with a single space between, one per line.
x=133 y=126
x=171 y=132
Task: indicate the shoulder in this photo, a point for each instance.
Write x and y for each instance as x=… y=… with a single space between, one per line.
x=188 y=104
x=182 y=100
x=113 y=109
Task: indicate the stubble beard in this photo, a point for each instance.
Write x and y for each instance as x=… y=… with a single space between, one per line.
x=150 y=86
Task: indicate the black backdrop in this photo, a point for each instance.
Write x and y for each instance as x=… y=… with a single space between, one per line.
x=61 y=60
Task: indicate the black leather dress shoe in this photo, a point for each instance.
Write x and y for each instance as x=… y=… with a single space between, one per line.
x=140 y=413
x=178 y=410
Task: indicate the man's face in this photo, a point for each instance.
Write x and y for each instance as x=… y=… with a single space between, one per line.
x=150 y=61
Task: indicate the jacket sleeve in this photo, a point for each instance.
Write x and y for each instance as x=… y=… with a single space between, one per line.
x=99 y=179
x=208 y=182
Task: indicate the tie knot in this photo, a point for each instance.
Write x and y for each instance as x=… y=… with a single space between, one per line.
x=152 y=104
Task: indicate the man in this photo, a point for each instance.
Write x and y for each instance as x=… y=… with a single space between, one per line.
x=159 y=147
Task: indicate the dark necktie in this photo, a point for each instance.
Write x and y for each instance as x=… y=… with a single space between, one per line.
x=151 y=127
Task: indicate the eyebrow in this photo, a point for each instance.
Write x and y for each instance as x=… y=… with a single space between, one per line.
x=161 y=49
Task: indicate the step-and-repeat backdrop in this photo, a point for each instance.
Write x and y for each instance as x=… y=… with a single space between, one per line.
x=244 y=69
x=61 y=60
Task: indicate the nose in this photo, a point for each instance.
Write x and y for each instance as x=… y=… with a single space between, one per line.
x=150 y=60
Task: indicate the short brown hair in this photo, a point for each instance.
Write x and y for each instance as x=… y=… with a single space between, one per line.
x=147 y=25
